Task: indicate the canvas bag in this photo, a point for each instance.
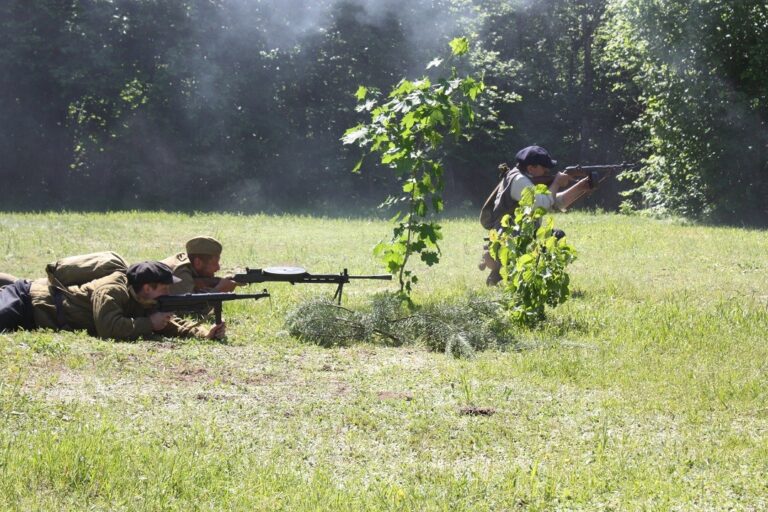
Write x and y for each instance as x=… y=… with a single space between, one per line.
x=80 y=269
x=490 y=216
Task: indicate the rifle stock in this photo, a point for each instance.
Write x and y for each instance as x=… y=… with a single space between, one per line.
x=192 y=302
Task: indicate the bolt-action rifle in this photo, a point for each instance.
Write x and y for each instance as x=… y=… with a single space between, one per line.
x=596 y=174
x=293 y=275
x=194 y=302
x=489 y=216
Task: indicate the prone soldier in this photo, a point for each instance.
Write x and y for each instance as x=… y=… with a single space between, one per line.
x=201 y=260
x=118 y=306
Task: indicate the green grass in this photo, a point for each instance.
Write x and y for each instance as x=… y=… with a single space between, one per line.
x=646 y=391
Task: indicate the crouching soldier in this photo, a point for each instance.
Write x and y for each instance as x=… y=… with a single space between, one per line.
x=532 y=162
x=117 y=306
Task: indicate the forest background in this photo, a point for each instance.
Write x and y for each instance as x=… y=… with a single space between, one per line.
x=239 y=105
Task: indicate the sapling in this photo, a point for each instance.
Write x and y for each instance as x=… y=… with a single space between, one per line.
x=533 y=260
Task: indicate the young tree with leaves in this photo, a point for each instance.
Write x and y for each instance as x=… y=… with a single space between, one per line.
x=407 y=129
x=533 y=260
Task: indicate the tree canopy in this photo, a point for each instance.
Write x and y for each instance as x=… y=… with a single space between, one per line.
x=240 y=105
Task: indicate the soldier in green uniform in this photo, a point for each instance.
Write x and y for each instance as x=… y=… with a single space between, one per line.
x=196 y=268
x=117 y=306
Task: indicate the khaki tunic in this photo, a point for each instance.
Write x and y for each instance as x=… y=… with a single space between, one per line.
x=181 y=268
x=106 y=307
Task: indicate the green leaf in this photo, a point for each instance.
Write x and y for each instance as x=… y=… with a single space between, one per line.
x=408 y=120
x=430 y=257
x=361 y=92
x=403 y=88
x=355 y=134
x=503 y=256
x=459 y=46
x=434 y=63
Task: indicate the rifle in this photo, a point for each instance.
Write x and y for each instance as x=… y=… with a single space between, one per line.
x=591 y=172
x=293 y=275
x=193 y=302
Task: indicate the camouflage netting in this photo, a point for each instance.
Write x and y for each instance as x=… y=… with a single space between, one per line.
x=458 y=328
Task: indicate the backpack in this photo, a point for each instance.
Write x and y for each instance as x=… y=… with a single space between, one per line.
x=490 y=213
x=78 y=270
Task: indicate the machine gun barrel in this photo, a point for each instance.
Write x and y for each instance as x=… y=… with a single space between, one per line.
x=297 y=275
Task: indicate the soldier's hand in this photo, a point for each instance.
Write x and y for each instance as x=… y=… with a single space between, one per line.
x=159 y=320
x=225 y=285
x=218 y=332
x=562 y=179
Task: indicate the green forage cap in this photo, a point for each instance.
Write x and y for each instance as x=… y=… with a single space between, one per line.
x=205 y=245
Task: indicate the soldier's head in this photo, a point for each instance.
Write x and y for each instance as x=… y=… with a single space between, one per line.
x=150 y=279
x=204 y=253
x=534 y=160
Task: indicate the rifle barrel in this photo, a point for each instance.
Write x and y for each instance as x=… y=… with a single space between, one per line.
x=599 y=167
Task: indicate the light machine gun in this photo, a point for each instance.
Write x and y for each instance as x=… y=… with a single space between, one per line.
x=293 y=275
x=194 y=302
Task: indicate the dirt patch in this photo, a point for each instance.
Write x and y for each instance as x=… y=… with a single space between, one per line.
x=259 y=379
x=192 y=375
x=395 y=395
x=163 y=345
x=477 y=411
x=212 y=397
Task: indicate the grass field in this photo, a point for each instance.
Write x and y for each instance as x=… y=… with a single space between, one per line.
x=646 y=391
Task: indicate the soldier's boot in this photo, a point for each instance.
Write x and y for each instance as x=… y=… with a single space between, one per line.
x=494 y=277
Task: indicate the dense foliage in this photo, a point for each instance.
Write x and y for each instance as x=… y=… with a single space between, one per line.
x=699 y=73
x=239 y=105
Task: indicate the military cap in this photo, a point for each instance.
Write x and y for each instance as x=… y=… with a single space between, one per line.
x=204 y=245
x=535 y=155
x=150 y=272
